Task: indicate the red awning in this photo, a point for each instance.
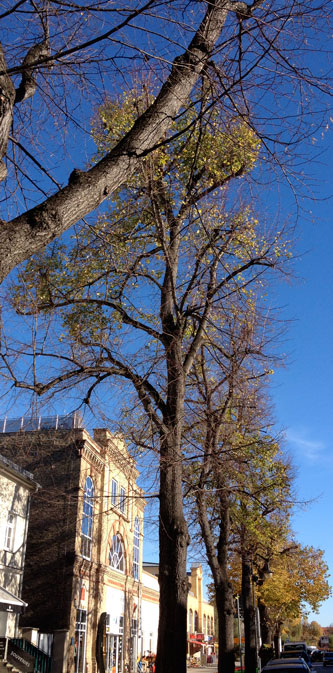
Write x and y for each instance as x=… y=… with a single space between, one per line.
x=197 y=642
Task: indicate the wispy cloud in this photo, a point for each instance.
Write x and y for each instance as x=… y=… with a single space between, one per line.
x=312 y=450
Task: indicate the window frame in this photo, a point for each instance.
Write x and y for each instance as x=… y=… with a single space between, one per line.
x=10 y=532
x=122 y=499
x=114 y=492
x=136 y=549
x=114 y=553
x=190 y=621
x=88 y=507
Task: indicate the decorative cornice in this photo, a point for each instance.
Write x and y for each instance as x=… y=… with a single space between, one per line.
x=89 y=452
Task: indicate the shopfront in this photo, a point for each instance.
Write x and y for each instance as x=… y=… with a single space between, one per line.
x=114 y=627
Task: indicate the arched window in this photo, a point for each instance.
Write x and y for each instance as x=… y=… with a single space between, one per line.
x=190 y=621
x=136 y=548
x=87 y=518
x=116 y=554
x=211 y=626
x=204 y=624
x=196 y=621
x=208 y=625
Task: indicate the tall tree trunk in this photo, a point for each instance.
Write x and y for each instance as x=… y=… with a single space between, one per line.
x=225 y=614
x=249 y=617
x=265 y=627
x=173 y=537
x=217 y=556
x=277 y=640
x=173 y=533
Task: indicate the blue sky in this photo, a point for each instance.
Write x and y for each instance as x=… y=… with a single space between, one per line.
x=302 y=391
x=302 y=388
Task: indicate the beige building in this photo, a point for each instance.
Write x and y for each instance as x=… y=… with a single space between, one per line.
x=82 y=580
x=16 y=487
x=200 y=613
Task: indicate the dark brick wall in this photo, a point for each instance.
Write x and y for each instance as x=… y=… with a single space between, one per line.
x=54 y=460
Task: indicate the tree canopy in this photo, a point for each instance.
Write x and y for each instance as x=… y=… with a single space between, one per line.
x=69 y=56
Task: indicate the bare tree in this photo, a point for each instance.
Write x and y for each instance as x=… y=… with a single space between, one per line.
x=228 y=435
x=136 y=296
x=67 y=56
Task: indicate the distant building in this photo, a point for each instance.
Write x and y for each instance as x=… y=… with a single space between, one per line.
x=200 y=613
x=16 y=487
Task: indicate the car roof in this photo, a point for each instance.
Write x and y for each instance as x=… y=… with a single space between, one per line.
x=297 y=663
x=285 y=668
x=294 y=660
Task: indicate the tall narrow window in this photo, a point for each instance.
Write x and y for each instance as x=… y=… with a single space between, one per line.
x=10 y=532
x=87 y=518
x=136 y=548
x=116 y=554
x=80 y=641
x=196 y=621
x=114 y=492
x=190 y=621
x=122 y=500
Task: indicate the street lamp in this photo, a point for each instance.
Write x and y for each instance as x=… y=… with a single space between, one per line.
x=266 y=571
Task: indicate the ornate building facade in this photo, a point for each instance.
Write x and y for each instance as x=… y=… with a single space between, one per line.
x=82 y=580
x=92 y=604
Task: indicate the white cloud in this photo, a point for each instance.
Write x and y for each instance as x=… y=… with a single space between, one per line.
x=310 y=449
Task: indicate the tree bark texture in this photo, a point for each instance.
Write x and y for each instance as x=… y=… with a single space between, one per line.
x=33 y=230
x=217 y=556
x=249 y=617
x=173 y=539
x=225 y=615
x=265 y=628
x=173 y=533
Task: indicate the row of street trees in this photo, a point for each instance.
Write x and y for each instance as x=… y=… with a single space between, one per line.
x=165 y=289
x=167 y=293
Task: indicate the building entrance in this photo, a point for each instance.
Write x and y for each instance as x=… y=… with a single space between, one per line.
x=80 y=641
x=114 y=653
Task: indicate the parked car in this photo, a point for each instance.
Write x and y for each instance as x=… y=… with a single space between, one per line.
x=328 y=659
x=286 y=667
x=297 y=653
x=292 y=661
x=317 y=655
x=297 y=645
